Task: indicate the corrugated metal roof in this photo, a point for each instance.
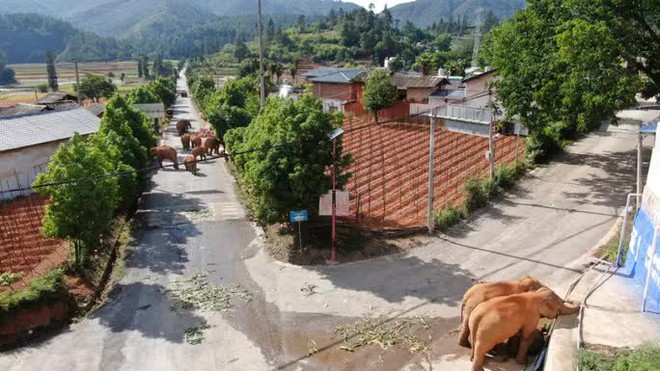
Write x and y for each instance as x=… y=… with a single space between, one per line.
x=150 y=107
x=21 y=109
x=450 y=94
x=56 y=97
x=406 y=81
x=29 y=130
x=478 y=75
x=96 y=108
x=337 y=75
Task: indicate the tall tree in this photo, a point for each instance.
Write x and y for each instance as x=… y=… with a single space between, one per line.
x=139 y=68
x=7 y=75
x=379 y=92
x=50 y=69
x=78 y=211
x=241 y=50
x=145 y=67
x=285 y=154
x=560 y=74
x=96 y=87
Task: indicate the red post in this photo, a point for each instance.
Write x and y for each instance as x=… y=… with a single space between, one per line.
x=333 y=258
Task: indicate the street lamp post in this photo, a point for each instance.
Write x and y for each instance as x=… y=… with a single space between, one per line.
x=333 y=135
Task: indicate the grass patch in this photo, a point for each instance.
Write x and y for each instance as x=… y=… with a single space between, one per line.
x=195 y=335
x=37 y=292
x=478 y=192
x=383 y=332
x=611 y=248
x=644 y=358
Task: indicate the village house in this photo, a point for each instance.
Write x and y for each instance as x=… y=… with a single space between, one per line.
x=28 y=141
x=154 y=111
x=336 y=86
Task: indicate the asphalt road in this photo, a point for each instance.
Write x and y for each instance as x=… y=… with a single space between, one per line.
x=195 y=224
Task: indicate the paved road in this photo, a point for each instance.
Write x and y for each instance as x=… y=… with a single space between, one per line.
x=195 y=224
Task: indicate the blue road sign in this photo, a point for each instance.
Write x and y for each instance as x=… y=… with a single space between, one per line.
x=298 y=216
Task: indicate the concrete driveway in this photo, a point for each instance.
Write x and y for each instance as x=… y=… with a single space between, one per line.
x=195 y=224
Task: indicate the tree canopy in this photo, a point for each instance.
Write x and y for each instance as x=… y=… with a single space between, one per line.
x=96 y=87
x=379 y=92
x=559 y=73
x=283 y=156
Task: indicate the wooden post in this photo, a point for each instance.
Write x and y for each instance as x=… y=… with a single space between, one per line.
x=430 y=222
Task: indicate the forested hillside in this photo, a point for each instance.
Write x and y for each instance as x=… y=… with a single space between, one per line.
x=26 y=37
x=427 y=12
x=126 y=18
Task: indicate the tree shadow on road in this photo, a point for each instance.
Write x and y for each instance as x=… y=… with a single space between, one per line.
x=394 y=278
x=146 y=308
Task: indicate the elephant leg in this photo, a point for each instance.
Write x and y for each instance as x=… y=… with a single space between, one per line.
x=160 y=162
x=176 y=164
x=526 y=338
x=478 y=356
x=464 y=334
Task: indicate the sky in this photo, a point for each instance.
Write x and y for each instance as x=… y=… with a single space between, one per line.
x=379 y=4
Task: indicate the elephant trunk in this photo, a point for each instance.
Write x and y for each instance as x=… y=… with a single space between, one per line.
x=569 y=308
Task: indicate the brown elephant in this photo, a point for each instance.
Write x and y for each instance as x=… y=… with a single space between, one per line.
x=191 y=164
x=482 y=292
x=496 y=320
x=182 y=126
x=199 y=151
x=167 y=153
x=212 y=144
x=195 y=140
x=185 y=141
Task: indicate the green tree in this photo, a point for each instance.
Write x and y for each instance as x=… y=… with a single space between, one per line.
x=145 y=67
x=379 y=92
x=78 y=211
x=202 y=88
x=233 y=106
x=96 y=87
x=50 y=69
x=143 y=94
x=139 y=124
x=165 y=89
x=284 y=154
x=560 y=75
x=7 y=75
x=241 y=50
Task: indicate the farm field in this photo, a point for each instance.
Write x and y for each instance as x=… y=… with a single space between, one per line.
x=389 y=185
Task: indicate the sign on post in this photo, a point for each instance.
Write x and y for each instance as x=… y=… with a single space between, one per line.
x=341 y=203
x=298 y=216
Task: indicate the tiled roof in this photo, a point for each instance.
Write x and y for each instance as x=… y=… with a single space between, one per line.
x=62 y=105
x=449 y=94
x=56 y=97
x=478 y=75
x=335 y=75
x=21 y=109
x=405 y=81
x=29 y=130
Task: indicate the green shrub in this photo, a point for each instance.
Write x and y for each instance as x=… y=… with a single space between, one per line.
x=589 y=360
x=476 y=194
x=38 y=291
x=449 y=217
x=42 y=88
x=644 y=358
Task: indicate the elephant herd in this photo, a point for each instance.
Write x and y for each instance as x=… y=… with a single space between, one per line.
x=201 y=146
x=495 y=312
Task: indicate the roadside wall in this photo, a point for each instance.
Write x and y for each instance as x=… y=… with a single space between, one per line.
x=641 y=257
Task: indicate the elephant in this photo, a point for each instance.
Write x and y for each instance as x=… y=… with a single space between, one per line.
x=191 y=164
x=185 y=141
x=496 y=320
x=482 y=292
x=167 y=153
x=195 y=140
x=212 y=144
x=182 y=126
x=199 y=151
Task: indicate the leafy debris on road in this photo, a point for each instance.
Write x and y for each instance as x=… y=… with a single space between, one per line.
x=197 y=293
x=383 y=332
x=196 y=214
x=195 y=335
x=308 y=289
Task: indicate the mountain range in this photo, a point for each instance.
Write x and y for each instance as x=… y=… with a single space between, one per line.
x=125 y=18
x=426 y=12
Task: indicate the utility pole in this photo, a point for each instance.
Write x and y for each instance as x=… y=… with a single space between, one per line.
x=491 y=140
x=75 y=63
x=430 y=222
x=262 y=82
